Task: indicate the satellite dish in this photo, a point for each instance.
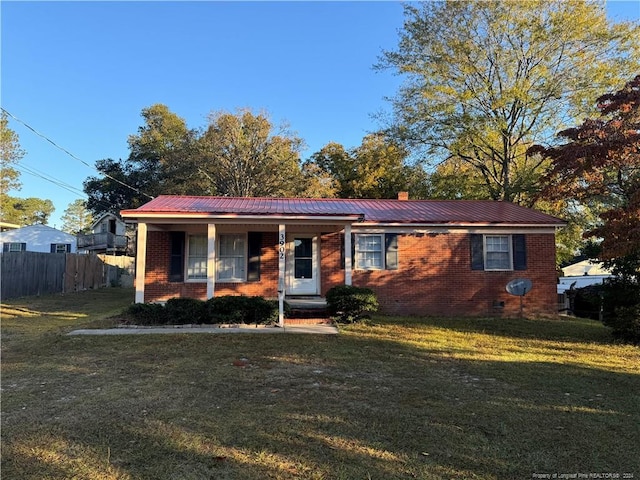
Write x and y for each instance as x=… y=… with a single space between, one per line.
x=519 y=286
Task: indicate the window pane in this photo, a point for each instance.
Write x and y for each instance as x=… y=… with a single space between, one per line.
x=303 y=247
x=498 y=252
x=231 y=258
x=303 y=268
x=197 y=246
x=197 y=261
x=497 y=244
x=369 y=251
x=498 y=261
x=197 y=268
x=231 y=245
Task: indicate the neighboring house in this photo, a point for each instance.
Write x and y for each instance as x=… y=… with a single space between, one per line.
x=37 y=238
x=580 y=275
x=108 y=236
x=421 y=257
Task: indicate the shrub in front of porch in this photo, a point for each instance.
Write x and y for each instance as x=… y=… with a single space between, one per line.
x=230 y=309
x=348 y=304
x=182 y=311
x=241 y=309
x=146 y=314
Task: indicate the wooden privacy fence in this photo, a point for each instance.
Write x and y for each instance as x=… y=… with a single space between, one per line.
x=35 y=273
x=122 y=261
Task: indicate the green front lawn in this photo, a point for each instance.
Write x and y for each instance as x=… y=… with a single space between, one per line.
x=397 y=398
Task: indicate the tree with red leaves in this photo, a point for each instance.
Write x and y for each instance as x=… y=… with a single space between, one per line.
x=601 y=162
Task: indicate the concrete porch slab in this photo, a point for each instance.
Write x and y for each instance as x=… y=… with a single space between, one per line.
x=306 y=303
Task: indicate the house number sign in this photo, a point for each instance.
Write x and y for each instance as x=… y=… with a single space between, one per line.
x=282 y=244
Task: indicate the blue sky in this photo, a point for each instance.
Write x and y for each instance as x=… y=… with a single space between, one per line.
x=81 y=72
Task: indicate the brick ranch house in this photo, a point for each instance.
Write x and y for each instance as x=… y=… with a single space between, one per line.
x=421 y=257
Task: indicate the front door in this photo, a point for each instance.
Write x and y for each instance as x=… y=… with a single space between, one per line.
x=302 y=266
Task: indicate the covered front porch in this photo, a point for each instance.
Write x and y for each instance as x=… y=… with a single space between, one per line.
x=290 y=258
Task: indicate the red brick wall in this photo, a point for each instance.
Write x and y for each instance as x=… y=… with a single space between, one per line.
x=331 y=271
x=434 y=276
x=158 y=288
x=268 y=285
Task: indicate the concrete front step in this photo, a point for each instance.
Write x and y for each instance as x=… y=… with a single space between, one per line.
x=308 y=321
x=307 y=310
x=308 y=313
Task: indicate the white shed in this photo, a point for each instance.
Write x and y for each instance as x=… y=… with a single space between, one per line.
x=582 y=274
x=108 y=222
x=38 y=238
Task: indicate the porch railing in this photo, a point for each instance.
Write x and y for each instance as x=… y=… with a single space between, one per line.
x=95 y=241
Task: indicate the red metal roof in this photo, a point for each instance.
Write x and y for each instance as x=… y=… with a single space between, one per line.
x=372 y=211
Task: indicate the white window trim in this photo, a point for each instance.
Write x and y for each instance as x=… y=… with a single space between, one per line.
x=17 y=245
x=509 y=253
x=63 y=245
x=186 y=260
x=382 y=251
x=219 y=257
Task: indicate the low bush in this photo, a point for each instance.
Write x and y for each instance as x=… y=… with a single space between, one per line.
x=587 y=301
x=226 y=309
x=348 y=304
x=242 y=309
x=622 y=309
x=625 y=324
x=147 y=313
x=181 y=311
x=619 y=301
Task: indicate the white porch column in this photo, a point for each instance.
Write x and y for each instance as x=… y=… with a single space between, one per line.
x=211 y=260
x=347 y=255
x=282 y=248
x=141 y=261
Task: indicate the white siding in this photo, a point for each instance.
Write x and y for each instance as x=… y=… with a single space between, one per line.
x=38 y=238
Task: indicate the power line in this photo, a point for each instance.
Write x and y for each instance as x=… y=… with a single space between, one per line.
x=32 y=171
x=49 y=178
x=72 y=155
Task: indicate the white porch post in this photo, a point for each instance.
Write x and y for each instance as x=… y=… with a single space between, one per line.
x=282 y=248
x=211 y=260
x=141 y=261
x=347 y=254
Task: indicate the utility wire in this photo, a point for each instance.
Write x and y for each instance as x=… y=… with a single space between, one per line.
x=72 y=155
x=49 y=178
x=36 y=173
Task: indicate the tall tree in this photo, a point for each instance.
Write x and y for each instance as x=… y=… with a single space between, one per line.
x=21 y=211
x=377 y=168
x=10 y=154
x=600 y=161
x=485 y=80
x=317 y=183
x=239 y=154
x=334 y=161
x=26 y=211
x=77 y=218
x=456 y=179
x=245 y=155
x=122 y=186
x=161 y=150
x=158 y=153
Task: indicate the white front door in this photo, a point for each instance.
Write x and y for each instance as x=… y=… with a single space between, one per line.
x=302 y=266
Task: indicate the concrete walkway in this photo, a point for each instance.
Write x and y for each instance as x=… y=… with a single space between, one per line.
x=306 y=329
